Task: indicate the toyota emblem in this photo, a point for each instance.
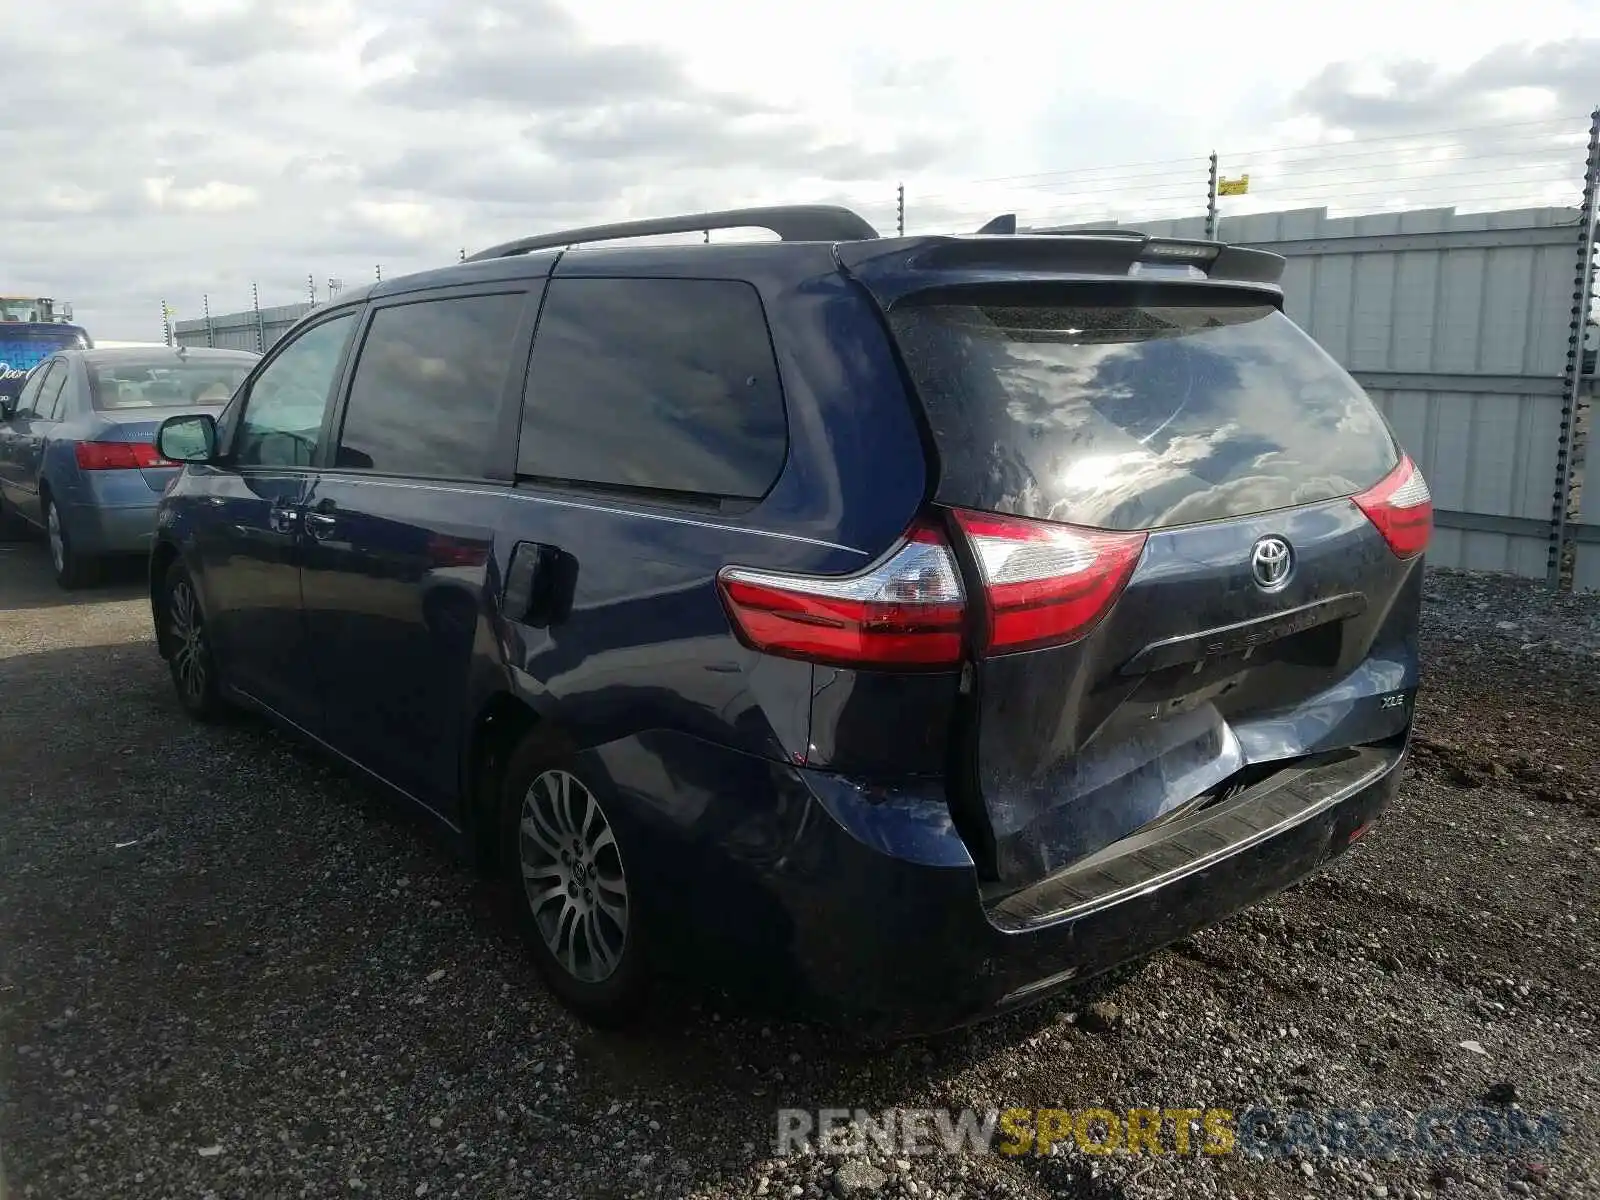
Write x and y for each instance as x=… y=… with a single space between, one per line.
x=1271 y=562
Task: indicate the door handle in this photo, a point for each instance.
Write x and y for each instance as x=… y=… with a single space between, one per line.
x=319 y=524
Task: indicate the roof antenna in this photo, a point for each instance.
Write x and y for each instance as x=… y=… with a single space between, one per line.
x=1006 y=223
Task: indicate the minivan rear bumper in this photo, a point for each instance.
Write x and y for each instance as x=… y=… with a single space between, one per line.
x=976 y=966
x=874 y=925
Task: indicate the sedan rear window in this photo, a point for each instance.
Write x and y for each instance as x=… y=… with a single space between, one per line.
x=1137 y=416
x=165 y=384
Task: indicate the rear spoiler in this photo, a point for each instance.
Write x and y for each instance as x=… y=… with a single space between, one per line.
x=894 y=267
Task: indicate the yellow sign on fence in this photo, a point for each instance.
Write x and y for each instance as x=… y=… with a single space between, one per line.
x=1233 y=187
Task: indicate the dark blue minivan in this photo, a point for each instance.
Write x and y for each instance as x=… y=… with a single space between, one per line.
x=908 y=627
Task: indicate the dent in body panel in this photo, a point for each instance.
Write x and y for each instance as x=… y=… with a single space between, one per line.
x=909 y=821
x=1112 y=788
x=1074 y=754
x=769 y=868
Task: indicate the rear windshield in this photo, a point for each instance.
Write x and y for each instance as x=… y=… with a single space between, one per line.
x=165 y=383
x=1137 y=416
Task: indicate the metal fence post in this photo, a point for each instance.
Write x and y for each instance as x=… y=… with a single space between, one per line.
x=379 y=270
x=1572 y=446
x=900 y=210
x=261 y=333
x=166 y=323
x=205 y=302
x=1211 y=200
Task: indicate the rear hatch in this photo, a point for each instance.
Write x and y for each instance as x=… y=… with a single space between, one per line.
x=1188 y=541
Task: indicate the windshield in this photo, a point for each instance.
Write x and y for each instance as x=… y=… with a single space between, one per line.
x=1137 y=416
x=165 y=383
x=15 y=308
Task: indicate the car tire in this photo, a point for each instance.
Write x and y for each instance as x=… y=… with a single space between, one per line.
x=188 y=645
x=72 y=569
x=564 y=860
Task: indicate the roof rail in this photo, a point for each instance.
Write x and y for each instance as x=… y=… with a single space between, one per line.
x=791 y=222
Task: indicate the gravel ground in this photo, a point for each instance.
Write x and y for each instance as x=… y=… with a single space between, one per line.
x=229 y=970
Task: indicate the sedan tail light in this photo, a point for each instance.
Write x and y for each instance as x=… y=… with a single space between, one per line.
x=118 y=456
x=1401 y=506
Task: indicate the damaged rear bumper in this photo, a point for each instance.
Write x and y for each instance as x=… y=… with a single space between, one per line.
x=901 y=948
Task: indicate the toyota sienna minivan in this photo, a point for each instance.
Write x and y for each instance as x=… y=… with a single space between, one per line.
x=912 y=627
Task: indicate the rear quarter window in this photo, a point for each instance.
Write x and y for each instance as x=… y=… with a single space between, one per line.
x=1136 y=415
x=655 y=385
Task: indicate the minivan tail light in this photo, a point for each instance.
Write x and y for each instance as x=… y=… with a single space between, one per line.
x=906 y=611
x=118 y=456
x=1401 y=506
x=1047 y=583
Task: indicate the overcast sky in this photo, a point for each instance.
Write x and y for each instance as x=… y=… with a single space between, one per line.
x=169 y=148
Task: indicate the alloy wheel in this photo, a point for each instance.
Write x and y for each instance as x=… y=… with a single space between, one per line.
x=188 y=641
x=58 y=541
x=573 y=877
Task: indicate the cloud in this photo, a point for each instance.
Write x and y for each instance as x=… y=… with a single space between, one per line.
x=1512 y=82
x=174 y=148
x=523 y=58
x=214 y=195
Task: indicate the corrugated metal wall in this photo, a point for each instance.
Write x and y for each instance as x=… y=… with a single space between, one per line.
x=247 y=330
x=1457 y=324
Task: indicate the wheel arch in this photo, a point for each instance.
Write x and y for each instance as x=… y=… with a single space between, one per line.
x=502 y=723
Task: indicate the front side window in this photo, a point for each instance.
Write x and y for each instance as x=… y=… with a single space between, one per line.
x=666 y=385
x=282 y=421
x=425 y=398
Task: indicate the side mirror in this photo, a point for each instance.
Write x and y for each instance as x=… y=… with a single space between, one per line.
x=8 y=407
x=189 y=438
